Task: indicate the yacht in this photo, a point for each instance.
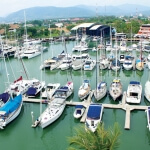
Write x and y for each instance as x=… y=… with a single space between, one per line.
x=115 y=65
x=81 y=47
x=66 y=63
x=89 y=64
x=134 y=92
x=103 y=63
x=94 y=116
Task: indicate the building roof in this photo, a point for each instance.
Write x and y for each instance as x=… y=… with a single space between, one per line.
x=14 y=26
x=2 y=31
x=83 y=25
x=95 y=27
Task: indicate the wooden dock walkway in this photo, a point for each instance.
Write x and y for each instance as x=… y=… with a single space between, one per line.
x=123 y=105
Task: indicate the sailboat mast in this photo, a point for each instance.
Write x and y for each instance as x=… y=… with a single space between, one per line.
x=116 y=57
x=25 y=25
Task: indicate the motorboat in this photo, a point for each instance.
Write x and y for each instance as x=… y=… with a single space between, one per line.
x=77 y=64
x=148 y=117
x=10 y=110
x=115 y=89
x=94 y=116
x=89 y=64
x=52 y=63
x=100 y=91
x=128 y=62
x=66 y=64
x=56 y=107
x=134 y=92
x=35 y=89
x=79 y=111
x=84 y=89
x=147 y=90
x=50 y=90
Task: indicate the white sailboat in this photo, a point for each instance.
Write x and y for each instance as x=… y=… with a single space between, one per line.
x=128 y=62
x=56 y=107
x=115 y=89
x=84 y=89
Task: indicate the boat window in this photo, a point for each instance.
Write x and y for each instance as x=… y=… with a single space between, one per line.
x=134 y=94
x=92 y=123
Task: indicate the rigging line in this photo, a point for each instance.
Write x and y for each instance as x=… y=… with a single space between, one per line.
x=11 y=67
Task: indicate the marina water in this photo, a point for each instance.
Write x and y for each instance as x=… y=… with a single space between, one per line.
x=19 y=134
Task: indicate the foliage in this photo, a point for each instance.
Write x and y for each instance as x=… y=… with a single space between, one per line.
x=100 y=140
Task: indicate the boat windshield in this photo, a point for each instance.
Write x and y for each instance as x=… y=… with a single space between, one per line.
x=134 y=94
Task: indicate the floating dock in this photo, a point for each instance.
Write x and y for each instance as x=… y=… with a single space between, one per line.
x=126 y=107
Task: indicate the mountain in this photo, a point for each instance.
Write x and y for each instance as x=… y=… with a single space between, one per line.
x=51 y=12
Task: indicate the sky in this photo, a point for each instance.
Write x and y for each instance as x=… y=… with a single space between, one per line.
x=9 y=6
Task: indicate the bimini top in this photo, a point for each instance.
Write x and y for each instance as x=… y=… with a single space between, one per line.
x=134 y=82
x=11 y=105
x=62 y=88
x=4 y=97
x=94 y=111
x=86 y=81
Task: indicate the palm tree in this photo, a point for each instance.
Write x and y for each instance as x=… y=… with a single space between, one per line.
x=100 y=140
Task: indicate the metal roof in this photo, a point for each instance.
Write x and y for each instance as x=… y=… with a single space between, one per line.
x=83 y=25
x=95 y=27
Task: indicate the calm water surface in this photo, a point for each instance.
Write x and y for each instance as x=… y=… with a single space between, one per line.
x=19 y=134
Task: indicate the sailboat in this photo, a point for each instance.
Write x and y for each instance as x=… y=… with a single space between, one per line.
x=115 y=89
x=101 y=88
x=10 y=110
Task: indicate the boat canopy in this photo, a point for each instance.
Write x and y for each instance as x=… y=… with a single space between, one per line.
x=86 y=81
x=11 y=105
x=79 y=106
x=114 y=63
x=128 y=57
x=31 y=91
x=4 y=97
x=134 y=82
x=94 y=111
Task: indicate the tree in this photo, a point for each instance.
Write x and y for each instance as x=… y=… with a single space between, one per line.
x=100 y=140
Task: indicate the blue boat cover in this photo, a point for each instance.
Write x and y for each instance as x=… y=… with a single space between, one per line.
x=134 y=82
x=4 y=97
x=31 y=91
x=11 y=105
x=94 y=111
x=86 y=81
x=128 y=57
x=137 y=61
x=79 y=106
